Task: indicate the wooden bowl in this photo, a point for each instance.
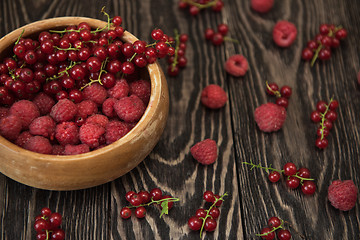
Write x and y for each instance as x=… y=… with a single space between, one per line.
x=86 y=170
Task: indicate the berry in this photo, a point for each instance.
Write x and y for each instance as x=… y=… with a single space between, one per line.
x=26 y=110
x=170 y=203
x=209 y=33
x=145 y=196
x=270 y=117
x=308 y=187
x=333 y=105
x=142 y=89
x=307 y=54
x=135 y=200
x=129 y=109
x=76 y=149
x=201 y=213
x=95 y=92
x=284 y=234
x=274 y=222
x=108 y=107
x=267 y=234
x=214 y=212
x=304 y=173
x=262 y=6
x=205 y=152
x=282 y=102
x=274 y=176
x=41 y=225
x=223 y=29
x=292 y=182
x=43 y=126
x=120 y=89
x=210 y=224
x=195 y=223
x=343 y=194
x=236 y=65
x=284 y=33
x=57 y=149
x=86 y=108
x=321 y=143
x=331 y=115
x=213 y=96
x=10 y=127
x=98 y=119
x=67 y=133
x=38 y=144
x=22 y=138
x=140 y=212
x=156 y=194
x=217 y=39
x=63 y=110
x=209 y=196
x=285 y=91
x=91 y=134
x=289 y=169
x=315 y=116
x=58 y=234
x=55 y=219
x=115 y=130
x=272 y=89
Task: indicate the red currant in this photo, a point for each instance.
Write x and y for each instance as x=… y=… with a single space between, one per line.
x=125 y=213
x=55 y=220
x=315 y=116
x=217 y=39
x=274 y=176
x=331 y=115
x=145 y=196
x=140 y=212
x=322 y=132
x=307 y=54
x=292 y=182
x=209 y=196
x=272 y=88
x=274 y=222
x=209 y=33
x=210 y=224
x=284 y=234
x=267 y=234
x=282 y=101
x=321 y=106
x=201 y=213
x=289 y=169
x=223 y=29
x=308 y=187
x=135 y=200
x=303 y=172
x=334 y=104
x=156 y=194
x=214 y=212
x=195 y=223
x=285 y=91
x=321 y=143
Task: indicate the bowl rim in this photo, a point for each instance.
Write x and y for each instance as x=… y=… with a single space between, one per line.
x=154 y=71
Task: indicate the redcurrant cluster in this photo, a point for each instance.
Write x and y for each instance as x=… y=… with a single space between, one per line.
x=206 y=219
x=63 y=62
x=294 y=177
x=47 y=225
x=320 y=47
x=178 y=59
x=217 y=38
x=144 y=198
x=195 y=6
x=282 y=95
x=275 y=224
x=325 y=114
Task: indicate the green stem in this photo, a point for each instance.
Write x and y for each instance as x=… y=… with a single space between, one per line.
x=272 y=230
x=177 y=41
x=229 y=39
x=201 y=6
x=65 y=71
x=316 y=55
x=261 y=167
x=277 y=93
x=323 y=119
x=103 y=64
x=18 y=39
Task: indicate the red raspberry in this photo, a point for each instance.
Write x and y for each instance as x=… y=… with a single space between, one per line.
x=43 y=126
x=44 y=102
x=213 y=96
x=67 y=133
x=23 y=138
x=86 y=108
x=262 y=6
x=115 y=130
x=76 y=149
x=284 y=33
x=10 y=127
x=342 y=194
x=26 y=110
x=38 y=144
x=3 y=112
x=120 y=89
x=270 y=117
x=98 y=119
x=129 y=109
x=57 y=150
x=64 y=110
x=237 y=65
x=91 y=134
x=142 y=89
x=108 y=107
x=95 y=92
x=205 y=152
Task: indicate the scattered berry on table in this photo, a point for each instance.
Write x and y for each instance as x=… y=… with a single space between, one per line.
x=262 y=6
x=47 y=225
x=196 y=6
x=284 y=33
x=205 y=151
x=236 y=65
x=270 y=117
x=213 y=96
x=343 y=194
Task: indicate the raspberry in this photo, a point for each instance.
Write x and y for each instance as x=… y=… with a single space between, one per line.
x=26 y=110
x=67 y=133
x=262 y=6
x=237 y=65
x=76 y=149
x=91 y=134
x=213 y=96
x=10 y=127
x=64 y=110
x=205 y=152
x=98 y=119
x=95 y=92
x=38 y=144
x=270 y=117
x=86 y=108
x=3 y=112
x=43 y=126
x=57 y=150
x=284 y=33
x=342 y=194
x=115 y=130
x=108 y=107
x=44 y=102
x=129 y=109
x=23 y=138
x=120 y=89
x=142 y=89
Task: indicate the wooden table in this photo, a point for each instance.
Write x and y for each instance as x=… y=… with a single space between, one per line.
x=94 y=213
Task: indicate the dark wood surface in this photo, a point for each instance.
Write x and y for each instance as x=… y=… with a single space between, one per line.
x=94 y=213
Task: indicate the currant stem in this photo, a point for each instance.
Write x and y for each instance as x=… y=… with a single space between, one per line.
x=316 y=55
x=199 y=5
x=296 y=231
x=323 y=118
x=272 y=230
x=103 y=64
x=229 y=39
x=207 y=211
x=261 y=167
x=177 y=41
x=18 y=39
x=65 y=71
x=301 y=178
x=277 y=93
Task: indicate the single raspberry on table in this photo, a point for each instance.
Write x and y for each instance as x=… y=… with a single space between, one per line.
x=67 y=133
x=43 y=126
x=26 y=110
x=142 y=89
x=236 y=65
x=262 y=6
x=115 y=130
x=95 y=92
x=108 y=107
x=98 y=119
x=64 y=110
x=284 y=33
x=343 y=194
x=23 y=138
x=44 y=102
x=205 y=152
x=10 y=127
x=270 y=117
x=120 y=89
x=213 y=96
x=39 y=144
x=91 y=134
x=86 y=108
x=129 y=109
x=76 y=149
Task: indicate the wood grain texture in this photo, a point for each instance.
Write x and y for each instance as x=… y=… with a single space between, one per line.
x=94 y=213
